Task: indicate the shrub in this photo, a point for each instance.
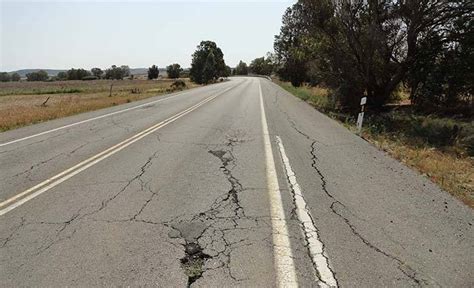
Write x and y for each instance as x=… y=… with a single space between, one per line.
x=90 y=77
x=15 y=77
x=4 y=77
x=178 y=85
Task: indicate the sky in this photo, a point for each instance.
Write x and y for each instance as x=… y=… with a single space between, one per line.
x=80 y=34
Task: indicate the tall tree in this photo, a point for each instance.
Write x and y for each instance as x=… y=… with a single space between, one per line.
x=261 y=66
x=362 y=47
x=207 y=63
x=290 y=47
x=153 y=72
x=97 y=72
x=228 y=71
x=174 y=70
x=241 y=68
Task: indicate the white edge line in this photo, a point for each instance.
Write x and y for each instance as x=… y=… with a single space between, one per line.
x=314 y=245
x=63 y=176
x=94 y=118
x=283 y=257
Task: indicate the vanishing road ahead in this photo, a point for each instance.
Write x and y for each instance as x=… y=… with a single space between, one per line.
x=234 y=184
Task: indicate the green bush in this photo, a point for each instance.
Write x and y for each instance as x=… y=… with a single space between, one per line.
x=426 y=130
x=90 y=77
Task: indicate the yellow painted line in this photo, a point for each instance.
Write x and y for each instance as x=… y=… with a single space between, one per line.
x=283 y=256
x=44 y=186
x=174 y=95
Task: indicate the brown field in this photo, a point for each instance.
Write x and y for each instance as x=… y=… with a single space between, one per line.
x=21 y=103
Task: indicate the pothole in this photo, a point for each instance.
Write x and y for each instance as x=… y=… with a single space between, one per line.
x=194 y=259
x=193 y=262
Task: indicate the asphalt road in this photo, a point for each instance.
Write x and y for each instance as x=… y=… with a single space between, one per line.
x=233 y=184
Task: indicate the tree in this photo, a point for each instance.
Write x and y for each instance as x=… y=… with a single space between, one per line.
x=241 y=69
x=4 y=77
x=261 y=66
x=39 y=75
x=363 y=48
x=77 y=74
x=442 y=78
x=125 y=70
x=97 y=72
x=290 y=48
x=174 y=71
x=15 y=77
x=207 y=63
x=117 y=73
x=62 y=75
x=153 y=72
x=228 y=71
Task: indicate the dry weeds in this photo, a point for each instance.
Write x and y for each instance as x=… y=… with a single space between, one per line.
x=21 y=102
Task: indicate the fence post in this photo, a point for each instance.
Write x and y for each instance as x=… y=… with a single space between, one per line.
x=360 y=118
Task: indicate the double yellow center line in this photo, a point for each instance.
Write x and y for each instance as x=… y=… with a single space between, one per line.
x=23 y=197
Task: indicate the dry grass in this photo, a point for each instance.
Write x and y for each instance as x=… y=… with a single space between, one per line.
x=453 y=174
x=421 y=142
x=21 y=102
x=316 y=96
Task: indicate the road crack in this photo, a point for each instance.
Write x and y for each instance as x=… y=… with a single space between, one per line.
x=403 y=267
x=207 y=245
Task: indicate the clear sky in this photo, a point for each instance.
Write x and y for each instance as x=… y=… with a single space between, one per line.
x=80 y=34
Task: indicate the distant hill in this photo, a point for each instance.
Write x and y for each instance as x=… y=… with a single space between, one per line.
x=54 y=72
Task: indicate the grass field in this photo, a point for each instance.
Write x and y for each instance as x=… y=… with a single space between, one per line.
x=441 y=149
x=21 y=103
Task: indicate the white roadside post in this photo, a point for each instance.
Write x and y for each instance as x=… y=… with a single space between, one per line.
x=360 y=118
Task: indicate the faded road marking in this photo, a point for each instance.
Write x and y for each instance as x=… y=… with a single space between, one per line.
x=315 y=246
x=285 y=267
x=44 y=186
x=93 y=118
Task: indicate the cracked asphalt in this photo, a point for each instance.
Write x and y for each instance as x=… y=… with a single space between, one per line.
x=188 y=205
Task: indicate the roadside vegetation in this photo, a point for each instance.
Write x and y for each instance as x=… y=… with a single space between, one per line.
x=41 y=97
x=413 y=61
x=208 y=64
x=24 y=103
x=441 y=148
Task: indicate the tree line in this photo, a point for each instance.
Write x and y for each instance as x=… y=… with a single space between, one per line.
x=6 y=77
x=207 y=66
x=114 y=72
x=374 y=48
